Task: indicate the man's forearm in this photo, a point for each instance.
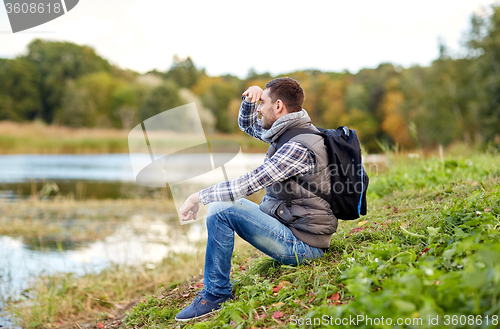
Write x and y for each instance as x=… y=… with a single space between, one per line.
x=248 y=119
x=290 y=160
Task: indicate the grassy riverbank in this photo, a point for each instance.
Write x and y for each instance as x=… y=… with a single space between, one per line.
x=39 y=138
x=429 y=247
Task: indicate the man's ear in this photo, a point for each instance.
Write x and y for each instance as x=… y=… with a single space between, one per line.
x=280 y=107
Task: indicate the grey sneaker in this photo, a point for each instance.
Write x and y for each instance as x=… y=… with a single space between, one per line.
x=201 y=307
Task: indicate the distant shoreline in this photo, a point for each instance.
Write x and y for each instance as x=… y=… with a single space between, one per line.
x=40 y=138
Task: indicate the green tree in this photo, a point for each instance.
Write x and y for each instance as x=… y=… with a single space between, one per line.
x=484 y=48
x=78 y=109
x=218 y=99
x=98 y=89
x=101 y=87
x=125 y=106
x=57 y=62
x=19 y=96
x=183 y=72
x=162 y=98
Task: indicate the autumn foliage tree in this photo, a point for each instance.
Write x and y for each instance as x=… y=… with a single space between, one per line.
x=455 y=99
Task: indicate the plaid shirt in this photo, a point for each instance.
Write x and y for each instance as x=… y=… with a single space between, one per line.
x=290 y=160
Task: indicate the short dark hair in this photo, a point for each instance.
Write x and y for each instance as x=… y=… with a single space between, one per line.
x=289 y=91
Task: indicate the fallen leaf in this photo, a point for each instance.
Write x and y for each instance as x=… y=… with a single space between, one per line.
x=277 y=315
x=233 y=323
x=312 y=299
x=487 y=209
x=277 y=288
x=263 y=316
x=357 y=229
x=425 y=250
x=200 y=284
x=395 y=210
x=111 y=316
x=335 y=296
x=186 y=295
x=278 y=304
x=100 y=325
x=362 y=223
x=242 y=268
x=438 y=198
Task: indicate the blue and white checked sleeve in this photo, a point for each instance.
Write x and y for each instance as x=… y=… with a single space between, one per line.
x=248 y=119
x=291 y=159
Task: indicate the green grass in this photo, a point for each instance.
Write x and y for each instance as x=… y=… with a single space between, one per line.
x=428 y=248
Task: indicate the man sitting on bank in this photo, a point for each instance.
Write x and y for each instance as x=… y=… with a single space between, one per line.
x=287 y=234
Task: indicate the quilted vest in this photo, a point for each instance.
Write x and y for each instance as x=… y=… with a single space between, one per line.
x=310 y=217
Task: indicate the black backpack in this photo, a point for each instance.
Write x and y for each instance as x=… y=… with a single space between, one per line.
x=349 y=180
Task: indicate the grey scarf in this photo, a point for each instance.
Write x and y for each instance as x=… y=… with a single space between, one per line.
x=291 y=120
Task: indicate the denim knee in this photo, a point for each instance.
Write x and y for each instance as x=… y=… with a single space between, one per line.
x=216 y=207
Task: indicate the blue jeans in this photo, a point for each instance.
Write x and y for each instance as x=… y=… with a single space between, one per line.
x=257 y=228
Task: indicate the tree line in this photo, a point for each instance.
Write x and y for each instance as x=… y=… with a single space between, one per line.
x=453 y=99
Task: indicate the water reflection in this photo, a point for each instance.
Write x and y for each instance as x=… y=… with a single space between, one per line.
x=81 y=176
x=135 y=242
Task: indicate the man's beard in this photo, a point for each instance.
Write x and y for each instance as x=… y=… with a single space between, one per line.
x=266 y=124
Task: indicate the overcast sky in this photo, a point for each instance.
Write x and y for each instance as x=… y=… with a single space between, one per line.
x=277 y=36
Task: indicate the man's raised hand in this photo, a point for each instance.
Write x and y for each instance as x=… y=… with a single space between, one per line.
x=253 y=94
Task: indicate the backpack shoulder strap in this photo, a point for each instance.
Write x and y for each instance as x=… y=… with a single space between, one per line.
x=291 y=133
x=283 y=139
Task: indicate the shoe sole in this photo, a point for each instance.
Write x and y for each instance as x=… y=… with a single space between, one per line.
x=196 y=317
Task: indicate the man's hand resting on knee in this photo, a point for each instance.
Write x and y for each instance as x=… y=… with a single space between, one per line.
x=190 y=208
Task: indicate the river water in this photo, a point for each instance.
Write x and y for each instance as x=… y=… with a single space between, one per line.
x=135 y=240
